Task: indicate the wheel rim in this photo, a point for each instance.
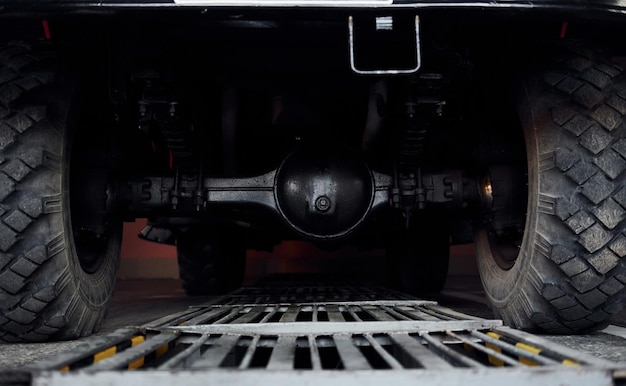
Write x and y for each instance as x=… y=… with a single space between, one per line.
x=92 y=220
x=90 y=247
x=506 y=195
x=505 y=248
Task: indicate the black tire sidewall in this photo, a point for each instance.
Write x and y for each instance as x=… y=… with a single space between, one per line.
x=538 y=292
x=96 y=287
x=502 y=286
x=71 y=302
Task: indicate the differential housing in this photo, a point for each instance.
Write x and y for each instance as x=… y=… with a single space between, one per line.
x=322 y=192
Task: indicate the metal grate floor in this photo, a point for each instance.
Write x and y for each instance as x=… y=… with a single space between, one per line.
x=332 y=334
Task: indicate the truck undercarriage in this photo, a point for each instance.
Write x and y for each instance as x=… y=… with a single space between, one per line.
x=395 y=125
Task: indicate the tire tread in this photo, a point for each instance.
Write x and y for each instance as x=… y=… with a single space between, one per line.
x=598 y=166
x=573 y=111
x=40 y=299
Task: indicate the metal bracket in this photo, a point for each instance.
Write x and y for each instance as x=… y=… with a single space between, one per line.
x=385 y=24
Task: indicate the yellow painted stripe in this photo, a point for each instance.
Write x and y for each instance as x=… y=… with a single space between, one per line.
x=162 y=350
x=137 y=340
x=104 y=354
x=136 y=364
x=530 y=349
x=111 y=351
x=569 y=362
x=493 y=335
x=492 y=360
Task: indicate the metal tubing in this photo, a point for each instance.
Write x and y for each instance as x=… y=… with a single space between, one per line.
x=449 y=353
x=187 y=356
x=413 y=70
x=515 y=350
x=484 y=349
x=127 y=357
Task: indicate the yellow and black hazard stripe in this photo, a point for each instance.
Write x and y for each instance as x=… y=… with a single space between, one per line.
x=160 y=351
x=118 y=348
x=531 y=349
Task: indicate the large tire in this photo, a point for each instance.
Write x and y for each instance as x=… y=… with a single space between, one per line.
x=48 y=289
x=418 y=259
x=210 y=265
x=567 y=273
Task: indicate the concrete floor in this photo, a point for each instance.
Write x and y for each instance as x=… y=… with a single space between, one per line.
x=135 y=303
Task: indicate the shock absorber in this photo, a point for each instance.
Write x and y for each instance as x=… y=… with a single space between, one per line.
x=160 y=115
x=412 y=140
x=409 y=193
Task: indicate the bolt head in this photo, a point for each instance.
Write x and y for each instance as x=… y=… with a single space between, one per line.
x=322 y=203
